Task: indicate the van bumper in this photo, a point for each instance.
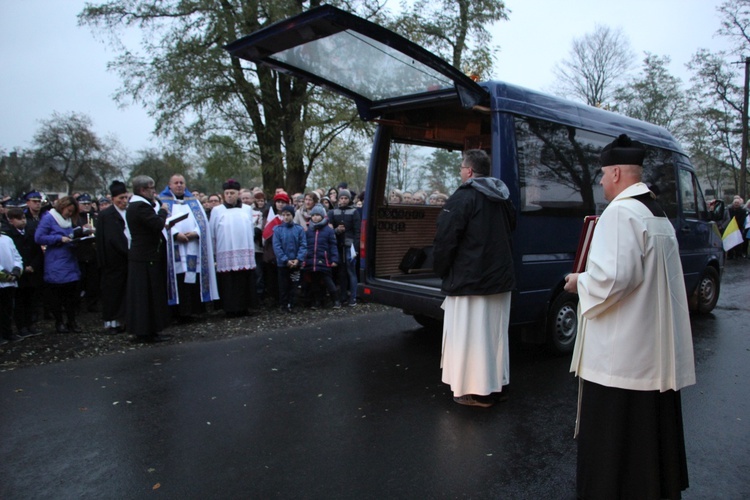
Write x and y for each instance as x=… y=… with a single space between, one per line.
x=410 y=302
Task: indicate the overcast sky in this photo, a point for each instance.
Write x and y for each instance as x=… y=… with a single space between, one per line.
x=48 y=63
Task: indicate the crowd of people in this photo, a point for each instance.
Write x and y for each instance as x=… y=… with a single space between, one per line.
x=169 y=255
x=144 y=259
x=398 y=196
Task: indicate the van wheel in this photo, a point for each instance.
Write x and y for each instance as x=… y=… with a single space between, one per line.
x=562 y=323
x=706 y=294
x=429 y=322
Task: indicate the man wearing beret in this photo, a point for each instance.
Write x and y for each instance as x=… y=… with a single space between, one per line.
x=112 y=241
x=634 y=348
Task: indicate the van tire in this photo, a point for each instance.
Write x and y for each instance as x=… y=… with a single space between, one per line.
x=562 y=323
x=429 y=322
x=706 y=294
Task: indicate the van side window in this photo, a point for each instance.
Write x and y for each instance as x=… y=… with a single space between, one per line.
x=558 y=168
x=659 y=176
x=691 y=205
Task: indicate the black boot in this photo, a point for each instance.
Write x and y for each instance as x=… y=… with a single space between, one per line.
x=60 y=327
x=72 y=325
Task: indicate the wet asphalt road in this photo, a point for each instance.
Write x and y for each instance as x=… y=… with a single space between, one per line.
x=351 y=409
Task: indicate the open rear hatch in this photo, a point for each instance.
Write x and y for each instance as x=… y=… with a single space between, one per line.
x=346 y=54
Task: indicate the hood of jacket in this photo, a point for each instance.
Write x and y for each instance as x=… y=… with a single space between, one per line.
x=492 y=188
x=320 y=225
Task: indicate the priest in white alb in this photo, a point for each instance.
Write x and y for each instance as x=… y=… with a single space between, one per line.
x=233 y=230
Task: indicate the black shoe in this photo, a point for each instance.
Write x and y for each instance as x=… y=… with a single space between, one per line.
x=73 y=327
x=15 y=338
x=61 y=328
x=152 y=339
x=33 y=332
x=3 y=341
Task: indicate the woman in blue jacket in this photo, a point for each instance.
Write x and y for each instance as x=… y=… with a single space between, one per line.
x=61 y=271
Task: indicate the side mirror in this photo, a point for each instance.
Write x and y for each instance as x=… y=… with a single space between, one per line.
x=717 y=212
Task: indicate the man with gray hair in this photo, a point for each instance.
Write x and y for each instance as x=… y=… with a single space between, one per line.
x=472 y=255
x=147 y=312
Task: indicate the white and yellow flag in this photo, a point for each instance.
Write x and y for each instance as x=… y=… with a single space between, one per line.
x=732 y=235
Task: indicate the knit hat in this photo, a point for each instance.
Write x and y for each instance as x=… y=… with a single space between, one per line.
x=287 y=208
x=281 y=197
x=345 y=192
x=318 y=210
x=623 y=151
x=117 y=188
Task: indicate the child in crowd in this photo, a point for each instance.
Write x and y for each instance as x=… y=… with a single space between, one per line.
x=290 y=247
x=32 y=279
x=322 y=255
x=272 y=220
x=11 y=265
x=345 y=220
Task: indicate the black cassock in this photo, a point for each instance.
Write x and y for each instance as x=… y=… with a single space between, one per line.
x=112 y=255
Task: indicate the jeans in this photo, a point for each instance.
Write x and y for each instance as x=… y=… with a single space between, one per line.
x=348 y=279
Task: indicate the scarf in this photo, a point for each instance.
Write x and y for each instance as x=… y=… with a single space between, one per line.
x=61 y=221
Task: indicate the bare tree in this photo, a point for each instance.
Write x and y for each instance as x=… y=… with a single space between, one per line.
x=654 y=96
x=19 y=173
x=595 y=64
x=716 y=124
x=455 y=30
x=73 y=154
x=735 y=24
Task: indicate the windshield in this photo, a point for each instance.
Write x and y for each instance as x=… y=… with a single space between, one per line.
x=363 y=65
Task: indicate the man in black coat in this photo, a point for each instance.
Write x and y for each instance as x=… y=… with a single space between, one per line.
x=472 y=255
x=112 y=256
x=147 y=310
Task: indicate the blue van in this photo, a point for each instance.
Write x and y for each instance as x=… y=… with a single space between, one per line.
x=544 y=148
